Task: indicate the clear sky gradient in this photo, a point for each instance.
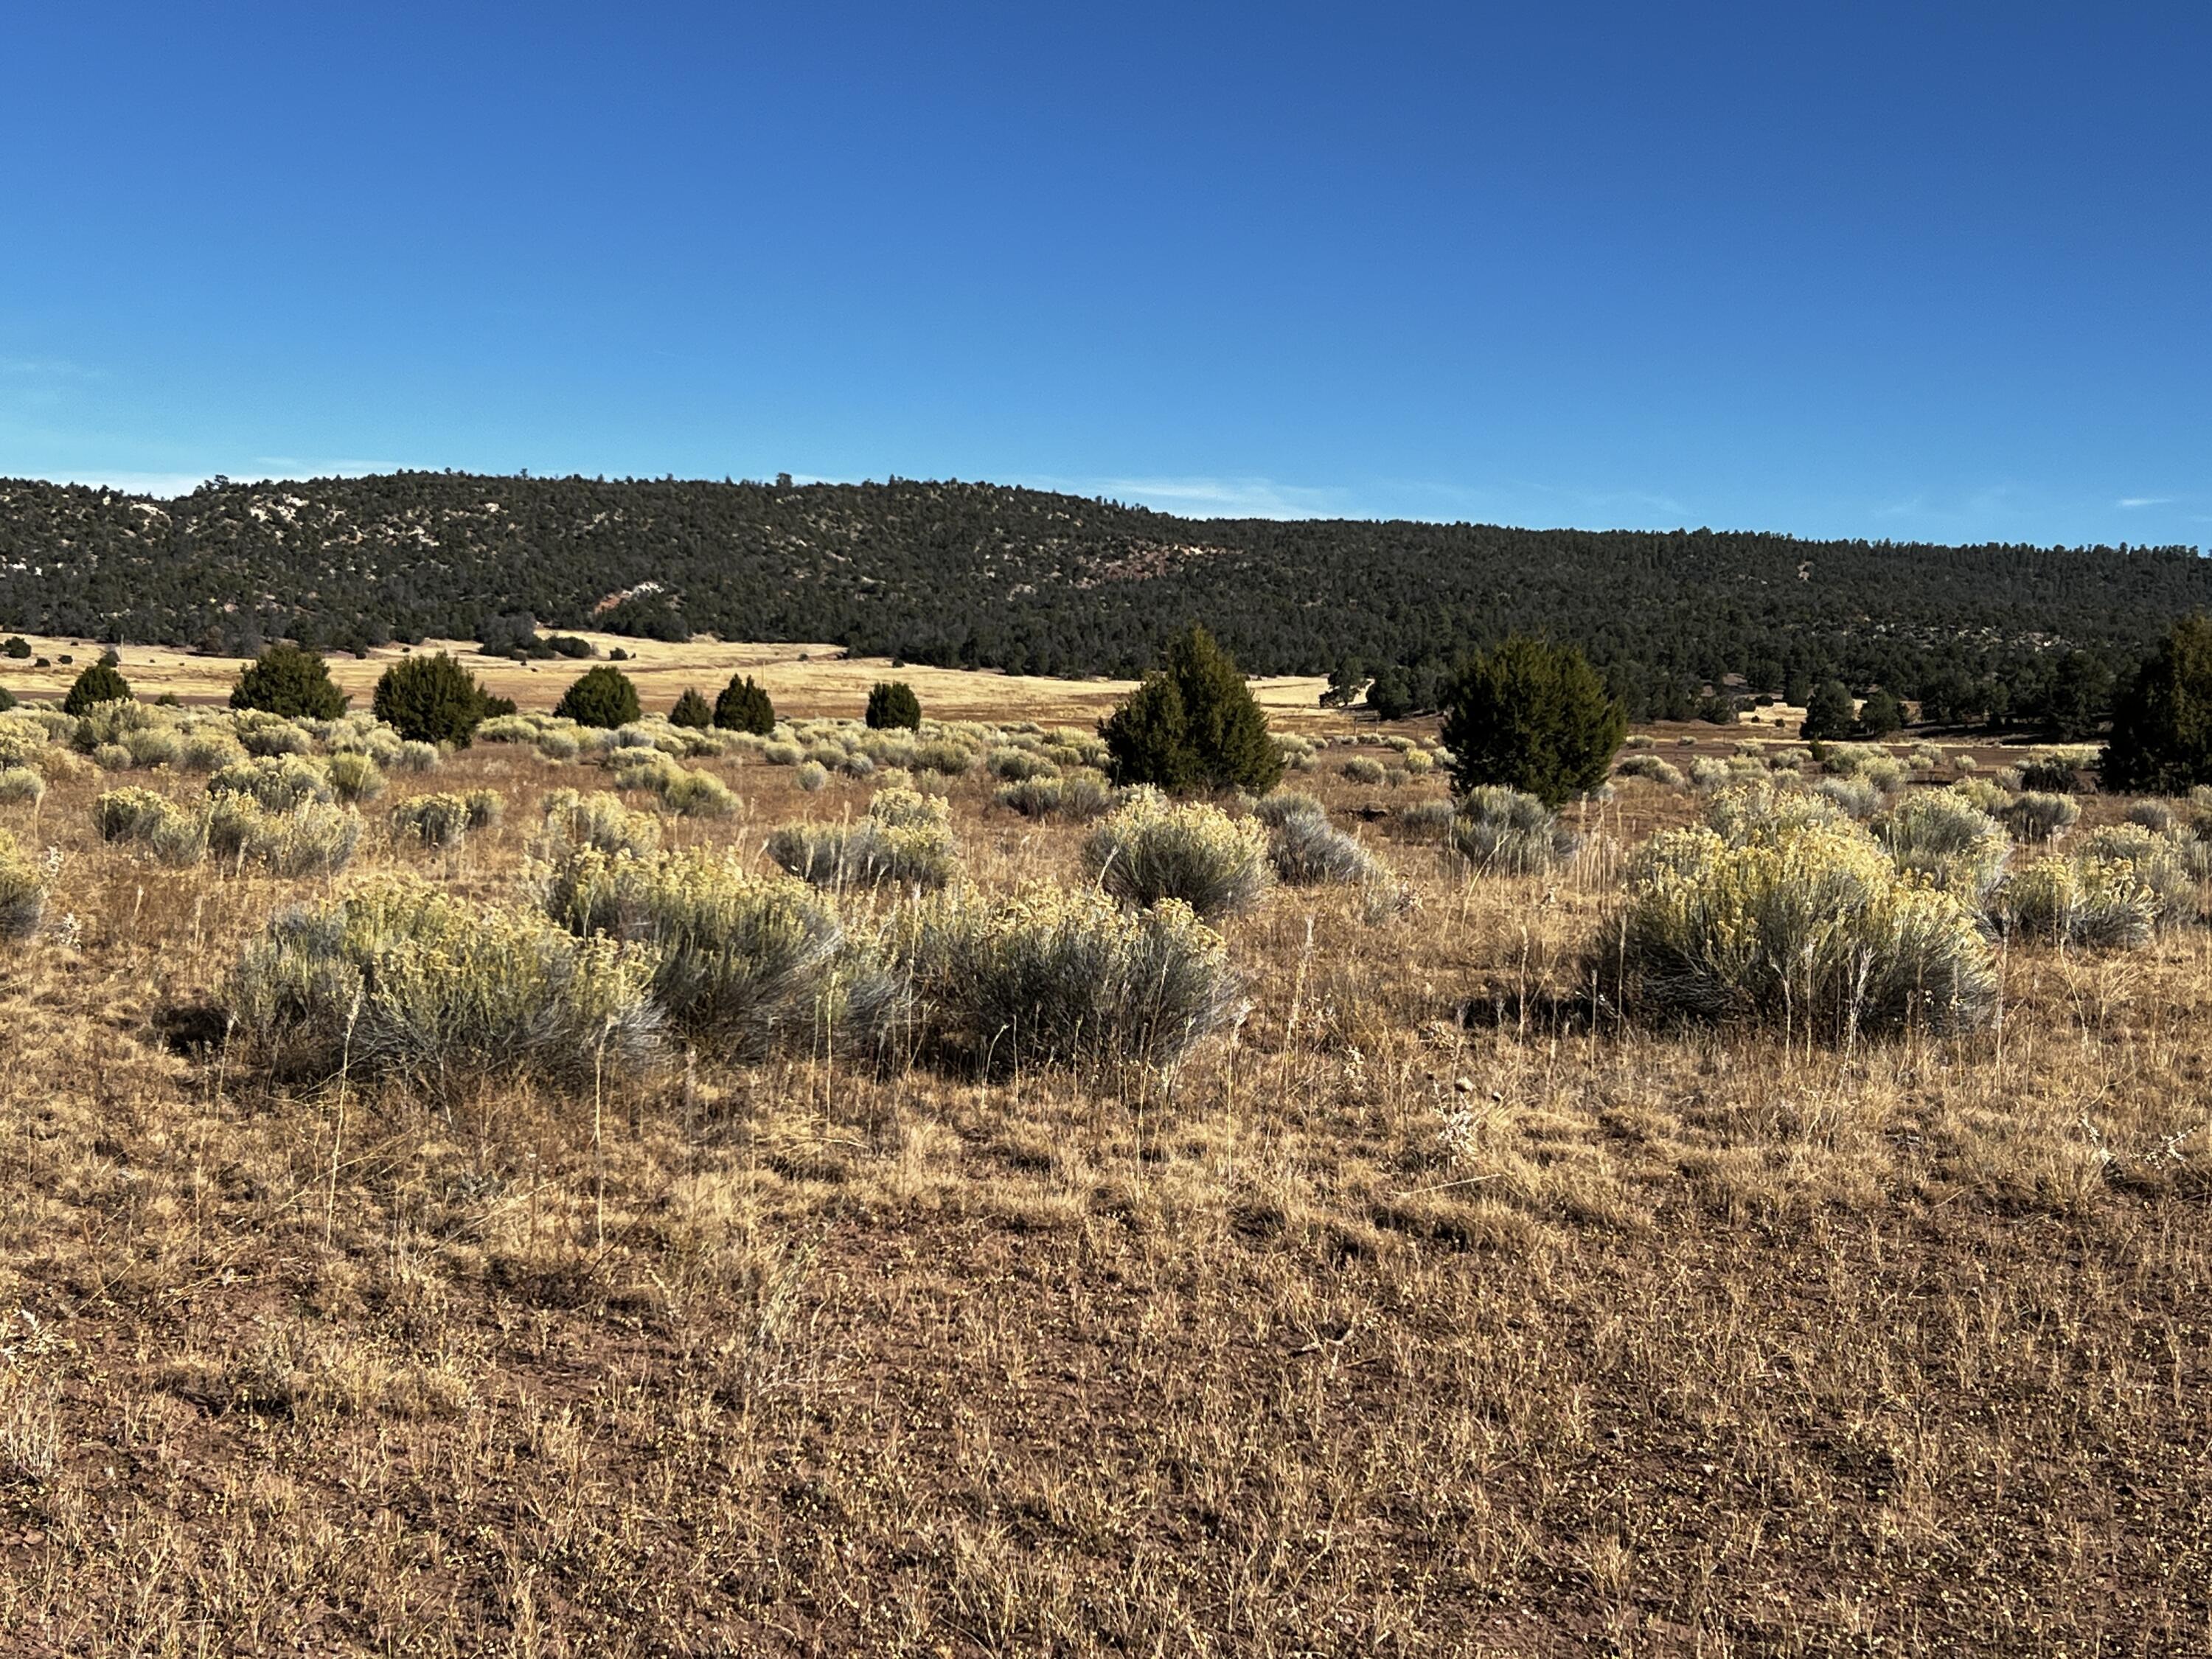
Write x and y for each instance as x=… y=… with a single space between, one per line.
x=1904 y=270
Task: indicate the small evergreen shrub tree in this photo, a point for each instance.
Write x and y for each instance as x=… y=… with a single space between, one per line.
x=892 y=705
x=430 y=700
x=744 y=707
x=97 y=684
x=1880 y=715
x=692 y=710
x=1192 y=725
x=1532 y=717
x=602 y=696
x=1830 y=714
x=288 y=681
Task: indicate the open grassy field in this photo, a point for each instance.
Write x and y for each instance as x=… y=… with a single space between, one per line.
x=1423 y=1311
x=805 y=680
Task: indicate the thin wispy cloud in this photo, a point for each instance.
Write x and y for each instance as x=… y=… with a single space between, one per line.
x=2146 y=501
x=44 y=369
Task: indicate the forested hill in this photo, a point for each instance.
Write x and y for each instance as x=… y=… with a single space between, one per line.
x=981 y=574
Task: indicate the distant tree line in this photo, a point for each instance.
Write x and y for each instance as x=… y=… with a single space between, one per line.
x=1678 y=624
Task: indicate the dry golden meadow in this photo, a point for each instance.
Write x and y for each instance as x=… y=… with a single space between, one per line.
x=1421 y=1315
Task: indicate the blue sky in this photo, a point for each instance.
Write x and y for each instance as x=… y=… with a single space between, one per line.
x=1891 y=270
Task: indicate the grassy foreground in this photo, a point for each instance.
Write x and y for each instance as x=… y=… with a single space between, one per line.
x=1417 y=1316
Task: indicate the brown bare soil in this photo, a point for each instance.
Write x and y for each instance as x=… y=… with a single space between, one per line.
x=1423 y=1315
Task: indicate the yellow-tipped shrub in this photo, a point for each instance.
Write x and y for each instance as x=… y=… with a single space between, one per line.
x=398 y=978
x=599 y=820
x=23 y=891
x=1811 y=926
x=1058 y=976
x=1150 y=850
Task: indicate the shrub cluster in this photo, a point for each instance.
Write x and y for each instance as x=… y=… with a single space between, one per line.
x=742 y=963
x=906 y=841
x=1807 y=925
x=443 y=819
x=1150 y=850
x=1501 y=831
x=1060 y=977
x=398 y=978
x=23 y=891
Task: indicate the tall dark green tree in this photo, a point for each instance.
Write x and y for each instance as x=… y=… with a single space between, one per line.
x=691 y=709
x=601 y=696
x=744 y=707
x=1830 y=715
x=1880 y=715
x=1192 y=724
x=1535 y=717
x=892 y=704
x=98 y=683
x=288 y=681
x=2161 y=739
x=430 y=699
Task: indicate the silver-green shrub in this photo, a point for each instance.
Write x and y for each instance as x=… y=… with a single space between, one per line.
x=1947 y=843
x=23 y=891
x=399 y=979
x=2035 y=815
x=1501 y=831
x=1151 y=849
x=276 y=782
x=1059 y=977
x=1810 y=926
x=743 y=963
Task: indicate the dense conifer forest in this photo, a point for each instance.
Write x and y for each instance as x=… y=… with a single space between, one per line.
x=991 y=576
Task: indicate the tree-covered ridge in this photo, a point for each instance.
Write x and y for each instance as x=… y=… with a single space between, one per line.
x=995 y=576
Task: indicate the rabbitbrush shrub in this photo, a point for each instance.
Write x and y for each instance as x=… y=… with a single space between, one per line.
x=1661 y=772
x=20 y=787
x=23 y=891
x=1808 y=926
x=1059 y=977
x=1150 y=850
x=398 y=978
x=276 y=782
x=1504 y=832
x=442 y=820
x=599 y=820
x=355 y=777
x=2089 y=903
x=906 y=841
x=312 y=838
x=2158 y=863
x=2036 y=816
x=1947 y=843
x=743 y=963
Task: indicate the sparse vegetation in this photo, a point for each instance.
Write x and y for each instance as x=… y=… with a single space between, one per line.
x=696 y=1234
